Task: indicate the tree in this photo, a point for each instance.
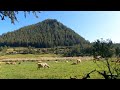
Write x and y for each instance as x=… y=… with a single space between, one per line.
x=117 y=52
x=12 y=15
x=103 y=48
x=106 y=50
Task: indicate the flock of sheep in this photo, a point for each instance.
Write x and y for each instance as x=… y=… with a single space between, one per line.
x=10 y=63
x=45 y=65
x=41 y=64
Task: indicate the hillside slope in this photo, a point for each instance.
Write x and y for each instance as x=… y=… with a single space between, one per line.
x=45 y=34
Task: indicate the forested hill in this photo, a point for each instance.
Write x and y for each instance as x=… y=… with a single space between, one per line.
x=48 y=33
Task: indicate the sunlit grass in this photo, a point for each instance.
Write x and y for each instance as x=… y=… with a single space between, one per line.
x=60 y=70
x=29 y=56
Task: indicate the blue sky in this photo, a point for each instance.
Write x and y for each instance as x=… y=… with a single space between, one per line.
x=91 y=25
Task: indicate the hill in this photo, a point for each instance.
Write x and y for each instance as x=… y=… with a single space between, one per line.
x=45 y=34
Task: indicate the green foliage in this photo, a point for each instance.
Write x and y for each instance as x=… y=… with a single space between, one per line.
x=75 y=51
x=79 y=50
x=12 y=15
x=3 y=49
x=117 y=51
x=46 y=34
x=87 y=51
x=103 y=48
x=106 y=50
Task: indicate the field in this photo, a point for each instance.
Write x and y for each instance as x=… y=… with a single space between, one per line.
x=60 y=70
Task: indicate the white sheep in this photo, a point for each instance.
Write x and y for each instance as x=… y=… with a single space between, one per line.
x=43 y=65
x=78 y=61
x=13 y=63
x=8 y=62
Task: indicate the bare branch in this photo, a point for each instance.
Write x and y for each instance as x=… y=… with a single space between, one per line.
x=88 y=75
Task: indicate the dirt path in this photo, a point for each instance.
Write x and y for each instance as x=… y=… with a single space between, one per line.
x=46 y=58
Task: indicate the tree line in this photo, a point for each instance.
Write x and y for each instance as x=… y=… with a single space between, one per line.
x=103 y=48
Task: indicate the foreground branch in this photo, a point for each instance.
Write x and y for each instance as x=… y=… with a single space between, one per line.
x=88 y=75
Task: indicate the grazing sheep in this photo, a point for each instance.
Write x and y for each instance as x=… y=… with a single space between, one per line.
x=13 y=63
x=78 y=61
x=8 y=62
x=43 y=65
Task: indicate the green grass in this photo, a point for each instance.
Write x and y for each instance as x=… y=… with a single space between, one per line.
x=29 y=55
x=60 y=70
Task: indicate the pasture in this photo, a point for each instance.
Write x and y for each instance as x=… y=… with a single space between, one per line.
x=59 y=70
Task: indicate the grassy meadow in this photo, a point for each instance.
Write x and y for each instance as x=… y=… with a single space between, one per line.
x=59 y=70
